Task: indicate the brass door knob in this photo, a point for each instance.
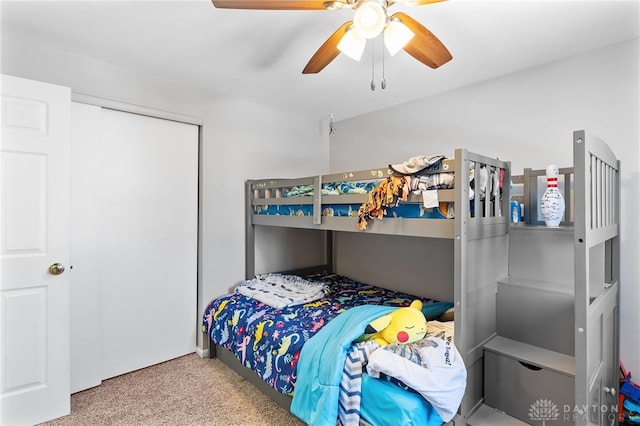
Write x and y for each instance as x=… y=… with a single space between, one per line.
x=56 y=269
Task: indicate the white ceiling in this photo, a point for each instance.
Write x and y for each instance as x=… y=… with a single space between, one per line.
x=259 y=55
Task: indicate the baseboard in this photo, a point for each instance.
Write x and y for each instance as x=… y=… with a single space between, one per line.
x=202 y=353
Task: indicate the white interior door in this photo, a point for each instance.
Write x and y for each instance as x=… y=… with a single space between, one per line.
x=34 y=299
x=148 y=240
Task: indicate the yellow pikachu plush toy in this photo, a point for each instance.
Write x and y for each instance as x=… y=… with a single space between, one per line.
x=404 y=325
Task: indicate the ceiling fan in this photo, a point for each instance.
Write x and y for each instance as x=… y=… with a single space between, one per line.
x=399 y=30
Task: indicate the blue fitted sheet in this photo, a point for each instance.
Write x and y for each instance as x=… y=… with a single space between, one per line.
x=405 y=210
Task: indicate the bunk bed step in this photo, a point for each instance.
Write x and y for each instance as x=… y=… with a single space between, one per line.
x=527 y=310
x=542 y=253
x=528 y=382
x=487 y=416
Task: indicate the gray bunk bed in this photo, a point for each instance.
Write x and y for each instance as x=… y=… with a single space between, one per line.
x=459 y=259
x=535 y=307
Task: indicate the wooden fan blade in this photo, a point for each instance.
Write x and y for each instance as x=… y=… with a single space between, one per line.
x=271 y=4
x=327 y=52
x=424 y=46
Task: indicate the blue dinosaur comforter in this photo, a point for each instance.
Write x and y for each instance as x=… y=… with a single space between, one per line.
x=321 y=363
x=268 y=340
x=320 y=368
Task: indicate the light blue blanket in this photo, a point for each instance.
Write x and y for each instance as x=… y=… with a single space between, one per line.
x=315 y=399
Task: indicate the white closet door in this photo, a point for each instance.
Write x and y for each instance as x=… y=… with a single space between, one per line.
x=84 y=294
x=148 y=240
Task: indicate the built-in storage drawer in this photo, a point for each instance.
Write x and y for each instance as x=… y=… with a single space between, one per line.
x=529 y=383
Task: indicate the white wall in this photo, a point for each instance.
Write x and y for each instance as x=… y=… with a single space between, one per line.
x=239 y=140
x=527 y=118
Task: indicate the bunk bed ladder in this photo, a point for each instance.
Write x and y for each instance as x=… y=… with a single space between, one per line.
x=565 y=281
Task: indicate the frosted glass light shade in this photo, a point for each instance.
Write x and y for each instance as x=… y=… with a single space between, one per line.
x=352 y=44
x=396 y=36
x=370 y=19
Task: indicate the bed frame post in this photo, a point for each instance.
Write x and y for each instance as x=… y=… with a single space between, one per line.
x=597 y=278
x=329 y=254
x=249 y=236
x=460 y=249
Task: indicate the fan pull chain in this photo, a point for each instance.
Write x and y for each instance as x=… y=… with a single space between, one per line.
x=373 y=51
x=383 y=82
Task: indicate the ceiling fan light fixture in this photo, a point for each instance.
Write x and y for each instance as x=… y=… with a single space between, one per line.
x=370 y=19
x=352 y=44
x=396 y=35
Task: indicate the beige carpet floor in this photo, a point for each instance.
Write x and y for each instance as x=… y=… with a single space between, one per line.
x=185 y=391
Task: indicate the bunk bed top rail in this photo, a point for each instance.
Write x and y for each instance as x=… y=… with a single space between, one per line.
x=590 y=189
x=447 y=165
x=486 y=218
x=598 y=194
